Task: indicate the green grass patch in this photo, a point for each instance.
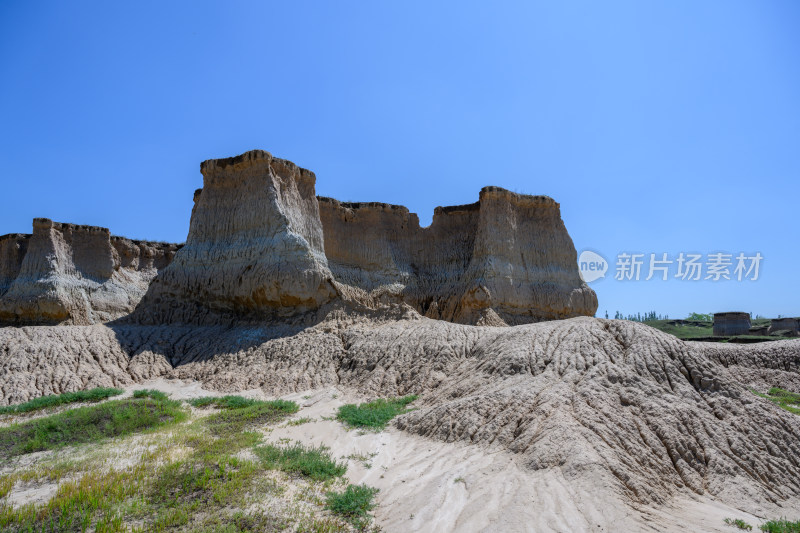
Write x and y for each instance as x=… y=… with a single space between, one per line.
x=54 y=400
x=198 y=482
x=188 y=478
x=237 y=419
x=790 y=401
x=224 y=402
x=312 y=462
x=88 y=424
x=738 y=522
x=150 y=393
x=781 y=526
x=375 y=414
x=354 y=504
x=233 y=428
x=684 y=329
x=93 y=499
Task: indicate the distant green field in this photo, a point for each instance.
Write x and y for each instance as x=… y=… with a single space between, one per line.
x=683 y=329
x=697 y=329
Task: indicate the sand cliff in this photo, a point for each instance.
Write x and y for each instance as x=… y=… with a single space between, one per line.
x=261 y=245
x=70 y=274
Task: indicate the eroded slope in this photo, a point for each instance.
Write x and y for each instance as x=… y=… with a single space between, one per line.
x=646 y=414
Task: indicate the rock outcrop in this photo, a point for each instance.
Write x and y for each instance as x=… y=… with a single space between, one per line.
x=506 y=259
x=70 y=274
x=12 y=252
x=254 y=247
x=262 y=245
x=732 y=323
x=787 y=326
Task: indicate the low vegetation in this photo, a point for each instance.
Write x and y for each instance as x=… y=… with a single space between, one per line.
x=354 y=503
x=88 y=424
x=234 y=419
x=790 y=401
x=171 y=470
x=772 y=526
x=781 y=526
x=375 y=414
x=224 y=402
x=150 y=393
x=739 y=523
x=312 y=462
x=54 y=400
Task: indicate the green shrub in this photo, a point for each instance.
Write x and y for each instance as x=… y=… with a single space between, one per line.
x=375 y=414
x=738 y=522
x=224 y=402
x=150 y=393
x=781 y=526
x=92 y=395
x=354 y=504
x=88 y=424
x=315 y=463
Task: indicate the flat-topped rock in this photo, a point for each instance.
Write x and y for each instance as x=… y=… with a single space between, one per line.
x=74 y=274
x=261 y=244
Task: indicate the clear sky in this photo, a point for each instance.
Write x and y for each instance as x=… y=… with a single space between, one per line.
x=661 y=127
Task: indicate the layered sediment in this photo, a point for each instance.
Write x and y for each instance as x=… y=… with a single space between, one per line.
x=732 y=323
x=254 y=249
x=506 y=259
x=261 y=245
x=12 y=251
x=71 y=274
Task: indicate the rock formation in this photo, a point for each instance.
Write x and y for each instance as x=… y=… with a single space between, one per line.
x=69 y=274
x=733 y=323
x=261 y=245
x=787 y=326
x=506 y=259
x=254 y=247
x=12 y=252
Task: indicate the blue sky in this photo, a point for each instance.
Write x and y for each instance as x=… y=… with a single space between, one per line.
x=660 y=127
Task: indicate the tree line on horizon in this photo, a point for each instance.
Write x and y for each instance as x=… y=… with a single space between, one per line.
x=652 y=315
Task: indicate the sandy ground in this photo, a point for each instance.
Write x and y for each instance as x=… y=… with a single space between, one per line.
x=432 y=486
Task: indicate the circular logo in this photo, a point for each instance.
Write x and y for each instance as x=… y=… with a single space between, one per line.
x=592 y=266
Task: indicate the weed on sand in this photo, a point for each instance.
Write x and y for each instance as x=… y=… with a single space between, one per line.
x=88 y=424
x=375 y=414
x=234 y=419
x=738 y=522
x=781 y=526
x=354 y=504
x=224 y=402
x=207 y=475
x=313 y=463
x=54 y=400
